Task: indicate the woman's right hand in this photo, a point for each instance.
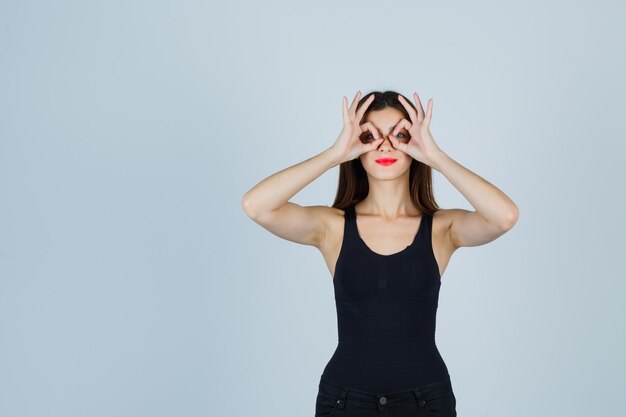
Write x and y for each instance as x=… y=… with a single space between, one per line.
x=348 y=145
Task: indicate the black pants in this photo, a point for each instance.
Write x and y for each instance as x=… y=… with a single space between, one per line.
x=433 y=400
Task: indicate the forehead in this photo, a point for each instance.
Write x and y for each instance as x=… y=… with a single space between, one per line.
x=386 y=118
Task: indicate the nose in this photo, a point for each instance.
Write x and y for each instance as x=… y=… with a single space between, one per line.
x=386 y=144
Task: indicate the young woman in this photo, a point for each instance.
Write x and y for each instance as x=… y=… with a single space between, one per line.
x=387 y=245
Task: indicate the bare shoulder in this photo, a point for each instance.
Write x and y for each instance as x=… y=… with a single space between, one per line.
x=444 y=216
x=330 y=244
x=442 y=222
x=333 y=225
x=443 y=246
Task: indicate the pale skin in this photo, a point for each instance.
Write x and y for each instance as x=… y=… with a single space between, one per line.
x=386 y=219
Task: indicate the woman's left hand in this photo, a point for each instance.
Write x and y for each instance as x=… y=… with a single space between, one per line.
x=421 y=145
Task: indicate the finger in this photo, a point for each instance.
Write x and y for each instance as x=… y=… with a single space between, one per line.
x=344 y=106
x=354 y=103
x=368 y=126
x=429 y=114
x=397 y=144
x=403 y=123
x=418 y=103
x=373 y=145
x=412 y=114
x=363 y=108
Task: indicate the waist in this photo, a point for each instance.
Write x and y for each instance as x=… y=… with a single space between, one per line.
x=443 y=381
x=385 y=351
x=373 y=369
x=382 y=378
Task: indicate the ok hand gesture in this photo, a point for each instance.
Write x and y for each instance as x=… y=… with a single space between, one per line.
x=349 y=145
x=421 y=146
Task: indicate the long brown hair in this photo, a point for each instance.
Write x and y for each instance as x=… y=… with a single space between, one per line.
x=353 y=185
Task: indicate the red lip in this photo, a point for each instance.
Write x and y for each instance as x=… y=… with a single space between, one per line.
x=386 y=161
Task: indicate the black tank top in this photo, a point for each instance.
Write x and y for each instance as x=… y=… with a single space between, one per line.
x=386 y=313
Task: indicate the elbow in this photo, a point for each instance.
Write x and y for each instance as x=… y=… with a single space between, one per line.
x=511 y=218
x=246 y=205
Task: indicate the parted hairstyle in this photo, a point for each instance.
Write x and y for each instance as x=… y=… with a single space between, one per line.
x=353 y=185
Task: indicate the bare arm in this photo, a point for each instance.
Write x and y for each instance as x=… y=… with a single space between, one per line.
x=267 y=203
x=495 y=212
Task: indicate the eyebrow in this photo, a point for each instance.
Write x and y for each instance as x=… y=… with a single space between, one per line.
x=394 y=126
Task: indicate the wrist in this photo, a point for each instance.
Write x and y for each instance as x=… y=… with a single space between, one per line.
x=332 y=156
x=438 y=159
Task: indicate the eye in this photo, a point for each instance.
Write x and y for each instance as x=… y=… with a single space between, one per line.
x=370 y=137
x=404 y=138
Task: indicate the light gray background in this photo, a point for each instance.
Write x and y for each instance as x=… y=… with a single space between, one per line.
x=132 y=283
